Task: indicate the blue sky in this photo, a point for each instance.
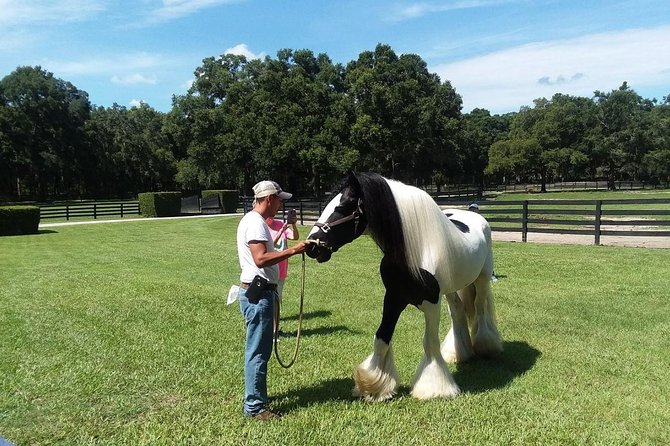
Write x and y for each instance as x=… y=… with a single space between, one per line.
x=498 y=54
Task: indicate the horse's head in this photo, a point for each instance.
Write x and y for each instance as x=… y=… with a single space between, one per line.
x=342 y=221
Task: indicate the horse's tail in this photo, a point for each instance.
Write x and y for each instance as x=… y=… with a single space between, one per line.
x=488 y=265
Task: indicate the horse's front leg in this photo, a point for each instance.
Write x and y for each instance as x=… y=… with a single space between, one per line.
x=376 y=378
x=433 y=378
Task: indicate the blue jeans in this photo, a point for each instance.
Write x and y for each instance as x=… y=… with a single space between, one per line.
x=258 y=318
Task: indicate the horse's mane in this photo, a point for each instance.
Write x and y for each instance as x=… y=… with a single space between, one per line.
x=406 y=224
x=383 y=215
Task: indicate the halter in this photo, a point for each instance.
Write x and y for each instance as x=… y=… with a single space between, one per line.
x=355 y=216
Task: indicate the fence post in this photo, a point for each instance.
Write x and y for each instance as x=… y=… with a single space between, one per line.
x=302 y=215
x=599 y=213
x=67 y=212
x=95 y=211
x=121 y=209
x=524 y=222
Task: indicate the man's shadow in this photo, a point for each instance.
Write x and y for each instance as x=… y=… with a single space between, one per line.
x=475 y=376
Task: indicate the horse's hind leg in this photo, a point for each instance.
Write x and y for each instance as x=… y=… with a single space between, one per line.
x=457 y=346
x=433 y=378
x=486 y=340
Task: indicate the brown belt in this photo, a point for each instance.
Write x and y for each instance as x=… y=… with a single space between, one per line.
x=269 y=286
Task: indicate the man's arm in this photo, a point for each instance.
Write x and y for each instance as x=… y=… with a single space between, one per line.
x=263 y=258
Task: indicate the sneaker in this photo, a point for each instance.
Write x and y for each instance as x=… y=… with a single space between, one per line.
x=266 y=415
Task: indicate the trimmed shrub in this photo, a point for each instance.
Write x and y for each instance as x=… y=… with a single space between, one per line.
x=160 y=204
x=228 y=198
x=18 y=220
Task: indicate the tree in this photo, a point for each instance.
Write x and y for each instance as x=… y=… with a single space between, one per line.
x=548 y=141
x=656 y=163
x=41 y=122
x=625 y=137
x=406 y=119
x=478 y=131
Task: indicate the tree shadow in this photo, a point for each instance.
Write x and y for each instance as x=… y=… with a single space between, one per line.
x=46 y=231
x=310 y=315
x=482 y=374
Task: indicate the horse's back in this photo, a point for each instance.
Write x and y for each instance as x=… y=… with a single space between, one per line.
x=474 y=253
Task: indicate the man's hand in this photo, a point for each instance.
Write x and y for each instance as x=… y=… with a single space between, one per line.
x=300 y=247
x=291 y=217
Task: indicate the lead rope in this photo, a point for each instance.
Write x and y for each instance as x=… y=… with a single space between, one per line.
x=297 y=342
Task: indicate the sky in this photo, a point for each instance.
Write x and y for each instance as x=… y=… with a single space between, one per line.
x=498 y=54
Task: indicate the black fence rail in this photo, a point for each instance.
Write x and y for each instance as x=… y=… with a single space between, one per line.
x=627 y=217
x=69 y=211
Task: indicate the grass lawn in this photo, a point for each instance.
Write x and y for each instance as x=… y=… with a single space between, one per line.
x=119 y=334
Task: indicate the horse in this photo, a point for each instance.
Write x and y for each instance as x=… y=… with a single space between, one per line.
x=427 y=254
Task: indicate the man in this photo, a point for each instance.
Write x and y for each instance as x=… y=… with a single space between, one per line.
x=258 y=261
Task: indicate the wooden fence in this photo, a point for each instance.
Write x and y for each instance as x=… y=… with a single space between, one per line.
x=626 y=217
x=68 y=211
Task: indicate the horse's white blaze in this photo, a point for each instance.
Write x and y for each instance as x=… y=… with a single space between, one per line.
x=376 y=378
x=327 y=212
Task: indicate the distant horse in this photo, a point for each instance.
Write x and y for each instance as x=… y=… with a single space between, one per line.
x=427 y=254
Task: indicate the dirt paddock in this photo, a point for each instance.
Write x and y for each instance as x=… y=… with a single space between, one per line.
x=568 y=239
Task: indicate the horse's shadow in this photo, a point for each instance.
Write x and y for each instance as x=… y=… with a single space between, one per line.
x=480 y=374
x=475 y=376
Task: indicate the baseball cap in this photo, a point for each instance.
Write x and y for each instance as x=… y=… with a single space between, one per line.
x=473 y=206
x=265 y=188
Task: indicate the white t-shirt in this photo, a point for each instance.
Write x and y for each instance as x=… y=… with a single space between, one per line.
x=253 y=227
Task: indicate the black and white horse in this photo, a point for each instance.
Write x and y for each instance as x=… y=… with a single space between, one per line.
x=428 y=253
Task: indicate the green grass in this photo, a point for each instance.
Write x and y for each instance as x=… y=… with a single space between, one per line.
x=118 y=334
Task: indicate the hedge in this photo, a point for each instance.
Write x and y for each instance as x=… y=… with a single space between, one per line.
x=160 y=204
x=228 y=198
x=18 y=220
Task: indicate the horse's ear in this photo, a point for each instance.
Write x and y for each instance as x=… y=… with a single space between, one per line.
x=353 y=181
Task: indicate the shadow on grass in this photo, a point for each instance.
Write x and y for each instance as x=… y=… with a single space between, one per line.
x=475 y=376
x=338 y=389
x=480 y=375
x=46 y=231
x=320 y=331
x=310 y=315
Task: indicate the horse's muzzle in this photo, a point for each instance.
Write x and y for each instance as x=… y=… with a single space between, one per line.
x=319 y=251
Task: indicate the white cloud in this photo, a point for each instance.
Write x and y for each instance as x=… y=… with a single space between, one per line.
x=136 y=102
x=416 y=10
x=107 y=65
x=505 y=80
x=16 y=12
x=133 y=79
x=243 y=50
x=174 y=9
